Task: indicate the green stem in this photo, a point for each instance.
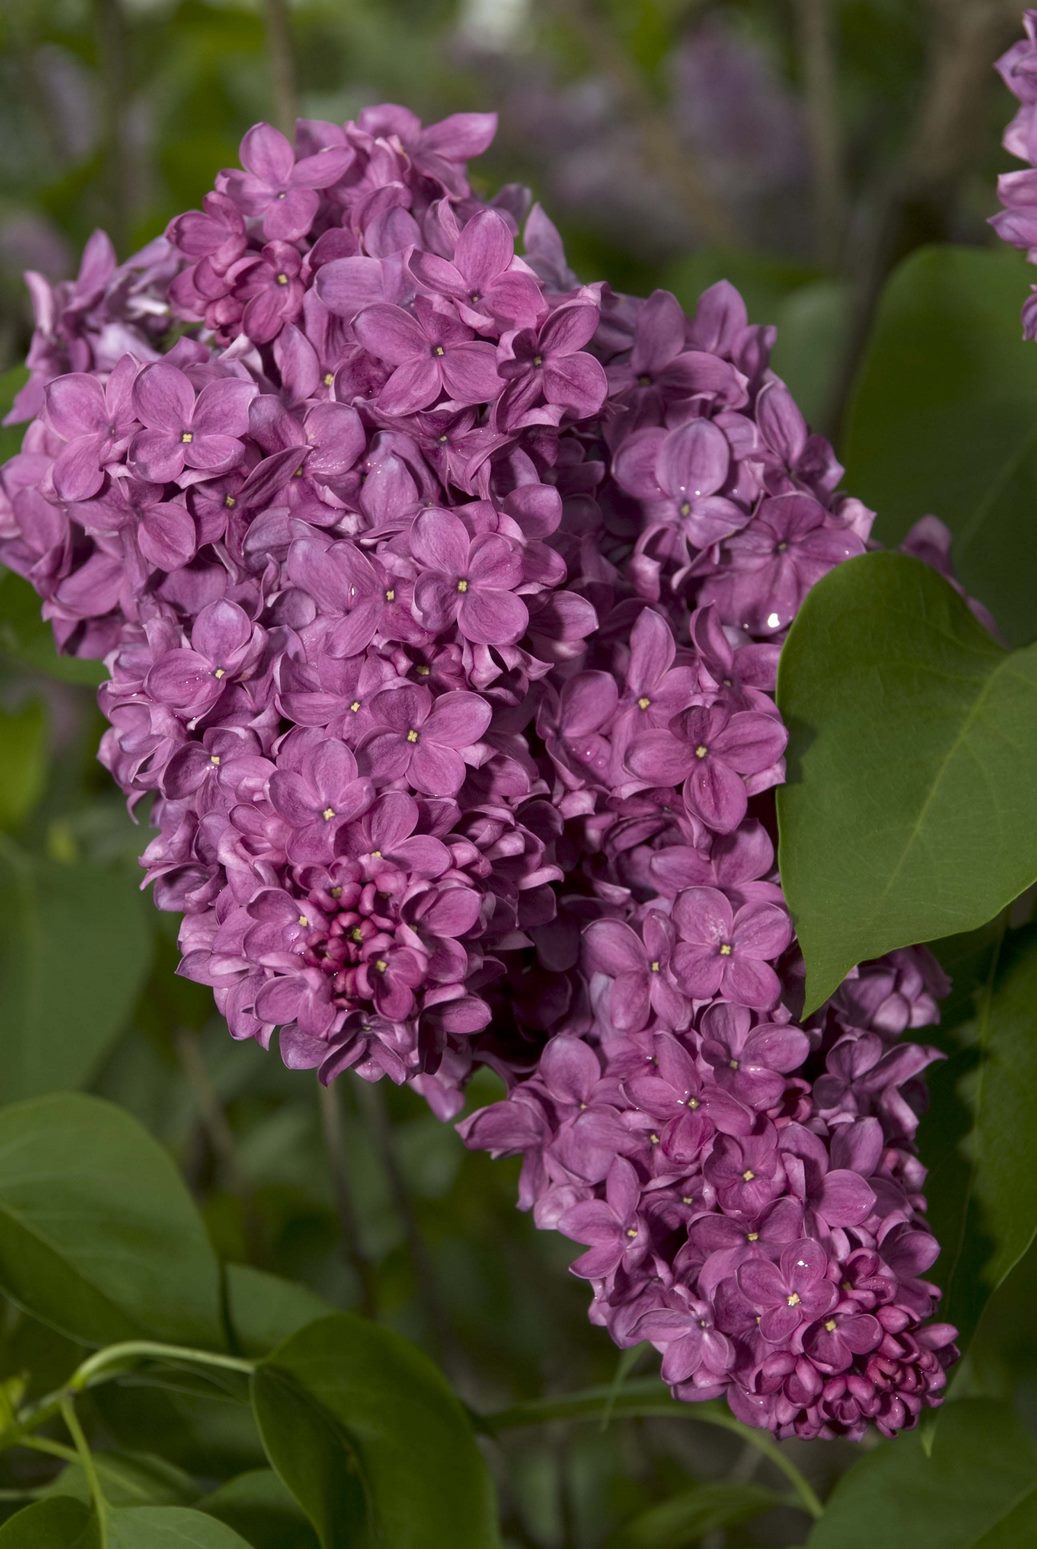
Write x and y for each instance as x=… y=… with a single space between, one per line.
x=102 y=1367
x=86 y=1458
x=645 y=1401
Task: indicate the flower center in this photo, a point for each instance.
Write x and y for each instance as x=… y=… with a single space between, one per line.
x=644 y=381
x=793 y=1299
x=229 y=502
x=462 y=585
x=355 y=706
x=685 y=508
x=701 y=751
x=328 y=378
x=328 y=814
x=830 y=1326
x=412 y=735
x=748 y=1175
x=538 y=361
x=725 y=951
x=655 y=966
x=214 y=758
x=382 y=965
x=644 y=702
x=282 y=279
x=186 y=438
x=631 y=1231
x=437 y=349
x=219 y=672
x=390 y=594
x=752 y=1236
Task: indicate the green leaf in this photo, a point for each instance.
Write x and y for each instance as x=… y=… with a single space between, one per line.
x=169 y=1527
x=263 y=1310
x=98 y=1235
x=23 y=760
x=371 y=1441
x=128 y=1479
x=258 y=1506
x=813 y=327
x=982 y=1191
x=909 y=813
x=11 y=383
x=680 y=1523
x=944 y=420
x=1015 y=1527
x=57 y=1523
x=75 y=948
x=981 y=1463
x=25 y=636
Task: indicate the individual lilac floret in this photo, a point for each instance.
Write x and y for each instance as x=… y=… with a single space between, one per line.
x=441 y=599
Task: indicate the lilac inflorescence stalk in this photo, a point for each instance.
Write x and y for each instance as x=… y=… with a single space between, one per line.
x=441 y=598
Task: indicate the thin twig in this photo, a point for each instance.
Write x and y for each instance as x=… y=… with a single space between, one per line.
x=815 y=25
x=112 y=35
x=352 y=1247
x=221 y=1140
x=440 y=1338
x=663 y=151
x=281 y=53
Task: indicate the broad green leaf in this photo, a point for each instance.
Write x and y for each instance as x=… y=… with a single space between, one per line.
x=372 y=1442
x=981 y=1463
x=944 y=420
x=25 y=636
x=1015 y=1527
x=813 y=326
x=57 y=1523
x=681 y=1522
x=169 y=1527
x=258 y=1506
x=263 y=1310
x=129 y=1479
x=982 y=1190
x=23 y=760
x=98 y=1235
x=909 y=811
x=75 y=948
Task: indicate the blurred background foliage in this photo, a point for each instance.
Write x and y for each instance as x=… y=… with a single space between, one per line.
x=802 y=148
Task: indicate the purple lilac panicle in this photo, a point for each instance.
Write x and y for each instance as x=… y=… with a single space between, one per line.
x=441 y=598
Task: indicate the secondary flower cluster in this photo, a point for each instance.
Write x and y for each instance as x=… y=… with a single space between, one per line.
x=441 y=598
x=1017 y=222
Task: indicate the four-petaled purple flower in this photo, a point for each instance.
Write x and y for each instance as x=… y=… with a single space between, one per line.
x=432 y=352
x=791 y=1292
x=470 y=580
x=279 y=188
x=728 y=951
x=423 y=739
x=202 y=435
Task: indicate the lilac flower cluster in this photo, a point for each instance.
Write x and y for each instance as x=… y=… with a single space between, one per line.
x=1017 y=221
x=441 y=598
